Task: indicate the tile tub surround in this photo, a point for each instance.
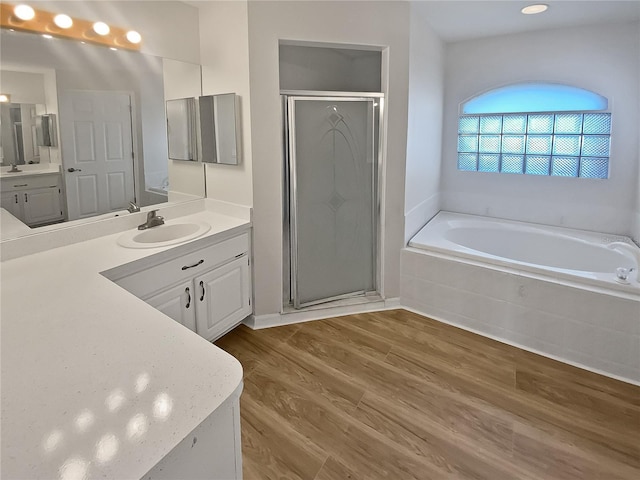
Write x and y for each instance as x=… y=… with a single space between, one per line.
x=94 y=380
x=589 y=328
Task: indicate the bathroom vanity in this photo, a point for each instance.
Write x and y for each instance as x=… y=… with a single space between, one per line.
x=33 y=196
x=98 y=382
x=207 y=290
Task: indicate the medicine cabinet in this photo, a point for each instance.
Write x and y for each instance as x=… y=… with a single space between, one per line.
x=204 y=129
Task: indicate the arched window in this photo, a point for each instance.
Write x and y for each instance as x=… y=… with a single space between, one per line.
x=537 y=129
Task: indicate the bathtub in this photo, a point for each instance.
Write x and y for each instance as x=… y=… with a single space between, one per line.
x=574 y=255
x=549 y=290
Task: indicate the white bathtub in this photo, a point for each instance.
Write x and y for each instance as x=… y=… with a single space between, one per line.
x=574 y=255
x=549 y=290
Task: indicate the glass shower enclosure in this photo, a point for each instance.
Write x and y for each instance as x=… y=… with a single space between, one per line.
x=331 y=210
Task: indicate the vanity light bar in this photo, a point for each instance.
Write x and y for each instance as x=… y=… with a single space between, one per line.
x=45 y=23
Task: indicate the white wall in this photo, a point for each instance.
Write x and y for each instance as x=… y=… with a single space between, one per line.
x=424 y=131
x=24 y=87
x=382 y=24
x=603 y=59
x=224 y=52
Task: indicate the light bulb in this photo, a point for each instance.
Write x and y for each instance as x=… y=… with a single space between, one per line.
x=63 y=21
x=533 y=9
x=101 y=28
x=24 y=12
x=133 y=36
x=4 y=98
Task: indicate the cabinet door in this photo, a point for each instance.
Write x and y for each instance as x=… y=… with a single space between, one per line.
x=178 y=303
x=10 y=201
x=41 y=205
x=223 y=298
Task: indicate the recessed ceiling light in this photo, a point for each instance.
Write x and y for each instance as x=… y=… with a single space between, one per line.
x=46 y=35
x=63 y=21
x=533 y=9
x=101 y=28
x=24 y=12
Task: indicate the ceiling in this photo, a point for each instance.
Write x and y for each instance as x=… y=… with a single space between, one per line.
x=455 y=20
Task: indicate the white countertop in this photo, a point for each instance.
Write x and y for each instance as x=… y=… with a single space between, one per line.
x=11 y=227
x=34 y=169
x=95 y=382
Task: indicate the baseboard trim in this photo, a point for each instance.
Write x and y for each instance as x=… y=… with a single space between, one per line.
x=279 y=319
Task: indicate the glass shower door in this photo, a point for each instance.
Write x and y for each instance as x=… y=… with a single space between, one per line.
x=333 y=198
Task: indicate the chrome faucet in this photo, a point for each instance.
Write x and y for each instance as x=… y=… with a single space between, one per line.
x=153 y=220
x=622 y=273
x=133 y=208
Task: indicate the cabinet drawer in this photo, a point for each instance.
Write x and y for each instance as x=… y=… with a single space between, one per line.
x=147 y=282
x=31 y=181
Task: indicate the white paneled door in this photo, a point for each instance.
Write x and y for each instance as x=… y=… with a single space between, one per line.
x=97 y=151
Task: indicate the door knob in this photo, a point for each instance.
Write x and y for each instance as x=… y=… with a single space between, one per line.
x=71 y=170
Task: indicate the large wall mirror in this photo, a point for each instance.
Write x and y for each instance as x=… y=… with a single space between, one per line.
x=109 y=109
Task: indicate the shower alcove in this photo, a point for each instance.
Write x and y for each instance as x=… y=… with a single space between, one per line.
x=332 y=115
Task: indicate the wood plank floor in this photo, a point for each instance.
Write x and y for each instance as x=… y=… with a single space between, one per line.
x=394 y=395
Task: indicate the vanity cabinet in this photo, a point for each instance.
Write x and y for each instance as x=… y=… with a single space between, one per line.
x=33 y=199
x=222 y=298
x=177 y=303
x=207 y=290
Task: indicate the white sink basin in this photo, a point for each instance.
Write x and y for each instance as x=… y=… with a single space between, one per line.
x=163 y=235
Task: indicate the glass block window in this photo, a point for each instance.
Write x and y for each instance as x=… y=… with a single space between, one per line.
x=557 y=144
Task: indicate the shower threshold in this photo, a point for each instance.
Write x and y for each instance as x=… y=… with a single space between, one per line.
x=343 y=302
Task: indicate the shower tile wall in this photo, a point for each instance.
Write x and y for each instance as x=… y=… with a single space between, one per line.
x=599 y=331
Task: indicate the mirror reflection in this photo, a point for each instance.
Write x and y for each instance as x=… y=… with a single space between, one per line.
x=109 y=109
x=181 y=129
x=204 y=129
x=219 y=128
x=18 y=139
